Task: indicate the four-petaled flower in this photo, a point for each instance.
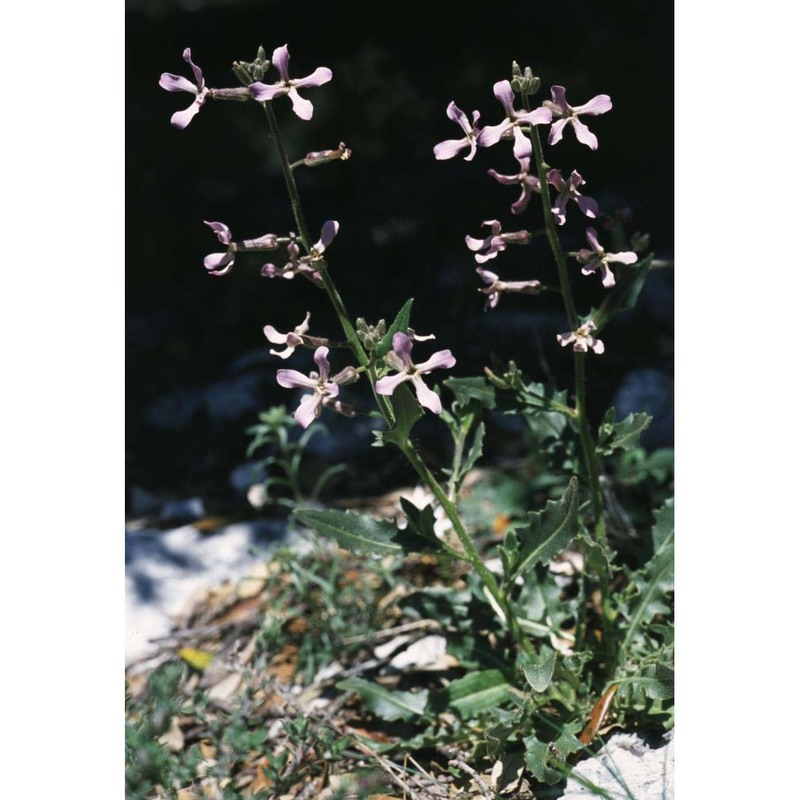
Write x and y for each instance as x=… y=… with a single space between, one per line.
x=399 y=358
x=597 y=258
x=568 y=115
x=496 y=286
x=582 y=339
x=452 y=147
x=304 y=265
x=568 y=190
x=323 y=387
x=529 y=183
x=175 y=83
x=300 y=106
x=511 y=124
x=292 y=340
x=222 y=263
x=496 y=242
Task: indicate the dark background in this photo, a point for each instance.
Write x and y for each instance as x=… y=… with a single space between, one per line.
x=197 y=364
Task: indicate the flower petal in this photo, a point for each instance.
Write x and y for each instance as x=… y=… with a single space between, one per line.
x=309 y=409
x=280 y=58
x=175 y=83
x=302 y=107
x=442 y=359
x=262 y=91
x=321 y=360
x=427 y=397
x=389 y=383
x=196 y=71
x=556 y=131
x=622 y=258
x=458 y=116
x=492 y=134
x=329 y=230
x=274 y=336
x=588 y=206
x=180 y=119
x=539 y=116
x=402 y=344
x=522 y=144
x=559 y=96
x=292 y=379
x=583 y=134
x=591 y=237
x=318 y=77
x=451 y=148
x=222 y=231
x=486 y=276
x=597 y=105
x=216 y=261
x=505 y=94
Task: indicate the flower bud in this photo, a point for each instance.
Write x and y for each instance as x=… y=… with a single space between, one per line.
x=524 y=83
x=370 y=335
x=316 y=158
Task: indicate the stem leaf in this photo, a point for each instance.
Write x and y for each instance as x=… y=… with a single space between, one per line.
x=388 y=705
x=401 y=322
x=354 y=532
x=549 y=531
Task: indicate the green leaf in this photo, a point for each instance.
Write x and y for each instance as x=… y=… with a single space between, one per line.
x=539 y=760
x=621 y=435
x=407 y=411
x=388 y=705
x=624 y=293
x=475 y=450
x=664 y=528
x=476 y=692
x=354 y=532
x=400 y=324
x=656 y=681
x=420 y=535
x=655 y=580
x=540 y=673
x=466 y=389
x=549 y=531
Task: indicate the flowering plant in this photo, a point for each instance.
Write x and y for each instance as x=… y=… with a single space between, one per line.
x=561 y=654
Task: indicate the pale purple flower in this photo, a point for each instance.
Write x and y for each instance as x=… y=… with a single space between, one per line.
x=452 y=147
x=301 y=107
x=511 y=124
x=323 y=387
x=175 y=83
x=399 y=358
x=568 y=190
x=582 y=339
x=222 y=263
x=303 y=265
x=597 y=258
x=496 y=242
x=495 y=286
x=292 y=340
x=566 y=114
x=528 y=182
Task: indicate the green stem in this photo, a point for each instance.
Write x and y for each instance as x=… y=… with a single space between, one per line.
x=471 y=554
x=587 y=443
x=338 y=304
x=458 y=454
x=588 y=449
